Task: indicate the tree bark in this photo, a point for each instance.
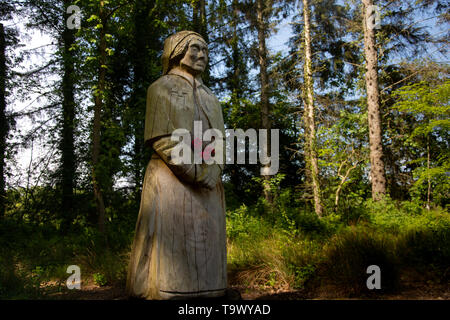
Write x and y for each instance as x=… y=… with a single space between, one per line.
x=236 y=54
x=265 y=120
x=203 y=22
x=3 y=123
x=235 y=51
x=139 y=90
x=98 y=106
x=428 y=174
x=143 y=75
x=195 y=16
x=68 y=112
x=199 y=21
x=200 y=25
x=310 y=126
x=377 y=172
x=341 y=183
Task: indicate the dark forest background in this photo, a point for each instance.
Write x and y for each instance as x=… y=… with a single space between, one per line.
x=362 y=109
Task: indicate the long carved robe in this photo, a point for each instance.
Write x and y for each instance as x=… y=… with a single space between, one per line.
x=179 y=250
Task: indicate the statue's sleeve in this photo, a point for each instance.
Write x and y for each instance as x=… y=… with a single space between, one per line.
x=157 y=118
x=203 y=175
x=163 y=116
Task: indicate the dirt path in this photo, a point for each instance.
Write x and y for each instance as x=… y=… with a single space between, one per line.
x=408 y=291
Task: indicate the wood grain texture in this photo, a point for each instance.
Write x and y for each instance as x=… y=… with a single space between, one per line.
x=179 y=249
x=180 y=242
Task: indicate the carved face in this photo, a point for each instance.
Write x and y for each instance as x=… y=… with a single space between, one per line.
x=196 y=57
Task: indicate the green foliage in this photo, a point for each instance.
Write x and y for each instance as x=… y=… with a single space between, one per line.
x=389 y=216
x=302 y=275
x=351 y=252
x=34 y=260
x=268 y=252
x=428 y=250
x=288 y=248
x=343 y=155
x=302 y=258
x=100 y=279
x=242 y=225
x=427 y=102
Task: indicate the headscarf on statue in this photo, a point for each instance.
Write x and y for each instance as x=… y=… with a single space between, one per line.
x=170 y=99
x=175 y=46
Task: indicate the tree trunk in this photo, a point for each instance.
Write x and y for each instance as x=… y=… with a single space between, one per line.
x=265 y=120
x=200 y=25
x=199 y=22
x=373 y=107
x=341 y=183
x=203 y=22
x=236 y=54
x=195 y=16
x=68 y=112
x=428 y=174
x=310 y=126
x=139 y=60
x=98 y=106
x=143 y=75
x=3 y=123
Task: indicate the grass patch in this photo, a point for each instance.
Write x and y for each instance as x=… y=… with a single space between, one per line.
x=291 y=252
x=287 y=249
x=350 y=253
x=34 y=261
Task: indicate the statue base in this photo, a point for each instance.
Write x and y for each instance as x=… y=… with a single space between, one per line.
x=193 y=295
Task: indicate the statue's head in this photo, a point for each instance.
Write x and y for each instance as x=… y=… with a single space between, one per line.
x=186 y=49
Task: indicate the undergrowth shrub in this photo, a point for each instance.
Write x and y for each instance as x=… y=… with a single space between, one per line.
x=18 y=282
x=107 y=267
x=309 y=222
x=302 y=259
x=423 y=235
x=264 y=254
x=398 y=217
x=243 y=225
x=9 y=281
x=348 y=255
x=100 y=279
x=427 y=250
x=280 y=245
x=310 y=225
x=34 y=260
x=278 y=261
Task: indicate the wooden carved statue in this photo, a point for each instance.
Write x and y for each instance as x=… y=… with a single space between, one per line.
x=179 y=249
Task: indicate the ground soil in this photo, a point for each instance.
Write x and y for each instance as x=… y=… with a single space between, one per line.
x=412 y=287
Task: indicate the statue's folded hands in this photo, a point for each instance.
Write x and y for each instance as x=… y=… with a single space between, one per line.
x=202 y=175
x=208 y=175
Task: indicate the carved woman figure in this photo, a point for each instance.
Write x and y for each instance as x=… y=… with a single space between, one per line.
x=179 y=249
